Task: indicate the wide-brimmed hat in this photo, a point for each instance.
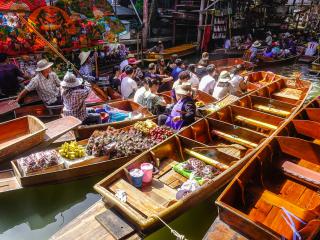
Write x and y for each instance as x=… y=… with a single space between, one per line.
x=133 y=61
x=256 y=44
x=70 y=80
x=224 y=76
x=184 y=89
x=205 y=56
x=43 y=65
x=83 y=56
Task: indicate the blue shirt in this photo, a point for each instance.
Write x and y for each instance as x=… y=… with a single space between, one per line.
x=175 y=73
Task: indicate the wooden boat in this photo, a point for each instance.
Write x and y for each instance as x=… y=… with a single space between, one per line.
x=279 y=187
x=218 y=140
x=307 y=59
x=267 y=62
x=315 y=66
x=228 y=63
x=181 y=50
x=226 y=53
x=259 y=79
x=85 y=131
x=200 y=97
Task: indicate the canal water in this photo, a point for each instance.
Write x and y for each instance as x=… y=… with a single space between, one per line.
x=37 y=213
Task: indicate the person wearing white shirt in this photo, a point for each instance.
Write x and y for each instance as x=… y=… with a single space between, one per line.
x=312 y=48
x=238 y=83
x=194 y=80
x=128 y=85
x=138 y=96
x=223 y=87
x=208 y=82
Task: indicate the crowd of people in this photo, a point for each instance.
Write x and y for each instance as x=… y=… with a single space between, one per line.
x=174 y=76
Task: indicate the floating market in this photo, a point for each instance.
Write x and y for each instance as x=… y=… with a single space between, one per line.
x=159 y=119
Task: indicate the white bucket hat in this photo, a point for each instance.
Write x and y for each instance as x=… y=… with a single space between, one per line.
x=184 y=89
x=224 y=76
x=83 y=56
x=256 y=44
x=70 y=80
x=43 y=65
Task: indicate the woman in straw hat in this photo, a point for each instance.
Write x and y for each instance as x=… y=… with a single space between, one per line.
x=254 y=51
x=74 y=94
x=46 y=83
x=86 y=62
x=183 y=112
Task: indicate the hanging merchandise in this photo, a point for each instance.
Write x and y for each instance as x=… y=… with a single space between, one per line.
x=21 y=5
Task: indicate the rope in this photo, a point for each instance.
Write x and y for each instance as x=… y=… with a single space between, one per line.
x=173 y=232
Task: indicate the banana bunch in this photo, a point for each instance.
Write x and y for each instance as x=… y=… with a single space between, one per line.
x=72 y=150
x=145 y=126
x=200 y=104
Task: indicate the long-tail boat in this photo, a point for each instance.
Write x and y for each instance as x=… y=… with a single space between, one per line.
x=267 y=62
x=181 y=50
x=228 y=63
x=223 y=141
x=276 y=195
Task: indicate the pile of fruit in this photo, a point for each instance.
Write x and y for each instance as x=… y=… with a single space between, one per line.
x=145 y=126
x=72 y=150
x=159 y=134
x=200 y=169
x=117 y=143
x=200 y=104
x=38 y=161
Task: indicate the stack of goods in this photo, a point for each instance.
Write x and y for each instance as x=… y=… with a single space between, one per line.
x=157 y=134
x=72 y=150
x=199 y=169
x=39 y=162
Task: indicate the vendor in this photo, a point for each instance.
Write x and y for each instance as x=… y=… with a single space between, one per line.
x=269 y=38
x=204 y=61
x=223 y=87
x=9 y=74
x=159 y=48
x=183 y=112
x=46 y=83
x=254 y=51
x=128 y=84
x=86 y=69
x=74 y=94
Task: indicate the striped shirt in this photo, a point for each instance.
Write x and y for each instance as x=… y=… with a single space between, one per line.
x=48 y=89
x=74 y=102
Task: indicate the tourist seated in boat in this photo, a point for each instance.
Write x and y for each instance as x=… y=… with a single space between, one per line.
x=153 y=102
x=9 y=78
x=172 y=63
x=178 y=69
x=312 y=47
x=86 y=63
x=74 y=92
x=238 y=83
x=208 y=82
x=115 y=81
x=194 y=80
x=46 y=83
x=204 y=61
x=268 y=52
x=159 y=48
x=166 y=81
x=128 y=84
x=268 y=40
x=184 y=77
x=137 y=72
x=223 y=87
x=254 y=51
x=183 y=112
x=138 y=96
x=125 y=62
x=161 y=66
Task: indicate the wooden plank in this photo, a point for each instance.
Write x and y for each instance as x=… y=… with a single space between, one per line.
x=115 y=224
x=136 y=199
x=160 y=192
x=307 y=128
x=8 y=181
x=289 y=93
x=313 y=114
x=173 y=179
x=165 y=167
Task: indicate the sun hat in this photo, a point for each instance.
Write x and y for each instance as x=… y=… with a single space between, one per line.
x=256 y=44
x=43 y=65
x=83 y=56
x=184 y=89
x=70 y=80
x=205 y=56
x=224 y=76
x=133 y=61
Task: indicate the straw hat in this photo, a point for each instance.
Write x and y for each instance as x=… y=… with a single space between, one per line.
x=224 y=76
x=256 y=44
x=83 y=56
x=70 y=80
x=205 y=56
x=184 y=89
x=43 y=65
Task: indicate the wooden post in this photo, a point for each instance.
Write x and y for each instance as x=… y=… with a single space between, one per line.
x=200 y=23
x=145 y=24
x=174 y=22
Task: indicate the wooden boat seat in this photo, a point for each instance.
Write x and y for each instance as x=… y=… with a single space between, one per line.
x=300 y=173
x=307 y=128
x=279 y=202
x=235 y=139
x=288 y=93
x=173 y=179
x=256 y=123
x=313 y=114
x=271 y=110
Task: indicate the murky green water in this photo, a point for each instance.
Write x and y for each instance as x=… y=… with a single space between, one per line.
x=37 y=213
